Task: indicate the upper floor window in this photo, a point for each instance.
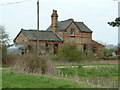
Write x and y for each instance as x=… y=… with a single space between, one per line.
x=72 y=32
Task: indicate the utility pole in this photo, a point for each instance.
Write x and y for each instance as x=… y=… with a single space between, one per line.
x=37 y=14
x=37 y=48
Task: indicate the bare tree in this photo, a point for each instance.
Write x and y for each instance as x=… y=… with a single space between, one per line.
x=4 y=39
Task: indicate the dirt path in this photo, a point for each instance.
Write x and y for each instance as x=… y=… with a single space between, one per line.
x=84 y=66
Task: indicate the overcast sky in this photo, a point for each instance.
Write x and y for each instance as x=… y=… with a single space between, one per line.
x=94 y=13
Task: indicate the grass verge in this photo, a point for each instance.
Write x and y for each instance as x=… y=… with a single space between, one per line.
x=21 y=80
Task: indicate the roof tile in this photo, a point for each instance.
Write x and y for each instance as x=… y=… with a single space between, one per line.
x=43 y=35
x=62 y=25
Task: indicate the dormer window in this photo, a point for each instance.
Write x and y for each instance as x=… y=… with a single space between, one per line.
x=72 y=32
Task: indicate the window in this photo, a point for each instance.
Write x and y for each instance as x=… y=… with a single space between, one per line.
x=47 y=47
x=94 y=49
x=85 y=47
x=72 y=33
x=55 y=48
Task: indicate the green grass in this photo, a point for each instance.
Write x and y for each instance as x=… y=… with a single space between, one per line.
x=4 y=66
x=107 y=76
x=0 y=79
x=88 y=72
x=20 y=80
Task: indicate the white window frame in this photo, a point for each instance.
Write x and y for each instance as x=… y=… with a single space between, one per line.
x=72 y=32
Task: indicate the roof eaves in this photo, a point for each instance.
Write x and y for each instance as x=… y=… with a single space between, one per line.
x=59 y=37
x=87 y=27
x=17 y=35
x=21 y=31
x=98 y=43
x=89 y=31
x=25 y=35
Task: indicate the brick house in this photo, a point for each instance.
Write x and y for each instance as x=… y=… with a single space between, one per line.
x=57 y=34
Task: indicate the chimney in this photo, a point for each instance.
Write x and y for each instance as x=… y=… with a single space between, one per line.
x=54 y=20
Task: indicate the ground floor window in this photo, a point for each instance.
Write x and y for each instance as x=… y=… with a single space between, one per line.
x=55 y=48
x=94 y=49
x=47 y=47
x=23 y=51
x=85 y=47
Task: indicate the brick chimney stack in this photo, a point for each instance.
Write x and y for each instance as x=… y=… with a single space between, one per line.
x=54 y=20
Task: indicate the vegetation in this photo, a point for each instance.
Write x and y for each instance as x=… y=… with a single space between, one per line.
x=109 y=49
x=29 y=63
x=115 y=23
x=41 y=65
x=33 y=64
x=89 y=64
x=70 y=53
x=20 y=80
x=88 y=72
x=104 y=75
x=4 y=39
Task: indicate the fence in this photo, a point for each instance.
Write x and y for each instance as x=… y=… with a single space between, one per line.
x=102 y=82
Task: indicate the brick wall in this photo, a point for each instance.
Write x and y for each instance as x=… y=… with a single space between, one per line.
x=21 y=38
x=80 y=39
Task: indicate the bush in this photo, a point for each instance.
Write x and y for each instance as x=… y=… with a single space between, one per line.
x=71 y=53
x=29 y=63
x=34 y=64
x=9 y=59
x=4 y=49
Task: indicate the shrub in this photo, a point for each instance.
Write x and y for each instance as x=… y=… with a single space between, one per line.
x=34 y=64
x=29 y=63
x=9 y=59
x=71 y=53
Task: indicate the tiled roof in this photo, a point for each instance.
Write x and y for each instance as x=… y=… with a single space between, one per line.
x=43 y=35
x=62 y=25
x=83 y=27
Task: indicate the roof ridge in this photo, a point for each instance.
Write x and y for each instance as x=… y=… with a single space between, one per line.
x=70 y=19
x=32 y=30
x=78 y=22
x=28 y=30
x=45 y=31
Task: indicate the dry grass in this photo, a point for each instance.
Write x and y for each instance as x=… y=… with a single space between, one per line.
x=29 y=64
x=9 y=59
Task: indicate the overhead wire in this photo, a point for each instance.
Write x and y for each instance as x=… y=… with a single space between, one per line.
x=10 y=3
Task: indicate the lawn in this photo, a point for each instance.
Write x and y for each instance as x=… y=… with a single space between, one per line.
x=22 y=80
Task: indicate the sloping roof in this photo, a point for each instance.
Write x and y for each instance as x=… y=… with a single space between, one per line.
x=83 y=27
x=97 y=43
x=43 y=35
x=63 y=25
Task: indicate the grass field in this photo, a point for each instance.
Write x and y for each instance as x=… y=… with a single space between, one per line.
x=100 y=74
x=20 y=80
x=88 y=72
